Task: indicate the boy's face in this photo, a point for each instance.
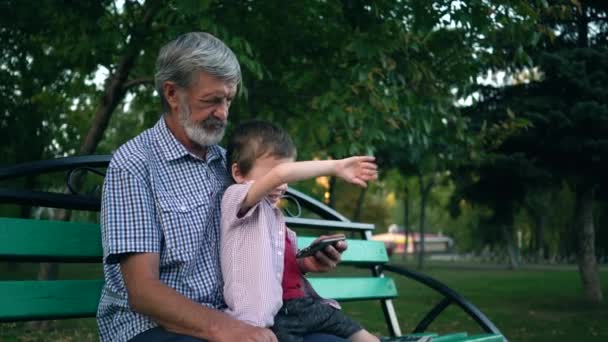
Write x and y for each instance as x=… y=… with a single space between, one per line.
x=261 y=167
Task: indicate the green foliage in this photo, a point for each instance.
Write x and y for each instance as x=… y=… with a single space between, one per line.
x=545 y=133
x=343 y=77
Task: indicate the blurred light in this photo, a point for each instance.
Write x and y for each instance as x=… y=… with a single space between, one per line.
x=323 y=182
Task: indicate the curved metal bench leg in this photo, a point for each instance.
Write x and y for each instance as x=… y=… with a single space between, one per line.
x=430 y=317
x=471 y=310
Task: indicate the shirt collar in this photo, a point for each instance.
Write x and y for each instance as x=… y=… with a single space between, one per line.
x=173 y=149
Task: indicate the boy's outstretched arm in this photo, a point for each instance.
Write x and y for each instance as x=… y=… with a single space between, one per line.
x=357 y=170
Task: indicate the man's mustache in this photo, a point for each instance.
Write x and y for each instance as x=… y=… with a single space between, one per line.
x=213 y=123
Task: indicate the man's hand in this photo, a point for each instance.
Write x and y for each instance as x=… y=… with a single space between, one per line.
x=325 y=260
x=235 y=330
x=357 y=170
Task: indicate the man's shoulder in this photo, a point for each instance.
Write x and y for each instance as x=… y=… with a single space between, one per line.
x=134 y=154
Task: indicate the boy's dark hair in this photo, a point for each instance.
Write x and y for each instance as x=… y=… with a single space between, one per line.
x=254 y=139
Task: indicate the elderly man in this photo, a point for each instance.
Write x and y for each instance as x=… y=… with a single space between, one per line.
x=160 y=209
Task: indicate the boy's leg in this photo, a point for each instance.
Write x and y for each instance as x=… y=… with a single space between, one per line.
x=363 y=336
x=287 y=324
x=324 y=318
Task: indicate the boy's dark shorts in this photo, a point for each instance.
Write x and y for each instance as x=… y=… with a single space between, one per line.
x=302 y=316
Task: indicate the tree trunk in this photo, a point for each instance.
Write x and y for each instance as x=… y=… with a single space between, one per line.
x=332 y=188
x=539 y=210
x=359 y=205
x=539 y=236
x=587 y=262
x=115 y=92
x=406 y=221
x=583 y=26
x=512 y=250
x=425 y=191
x=117 y=86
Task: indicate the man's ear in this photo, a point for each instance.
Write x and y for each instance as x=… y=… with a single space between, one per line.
x=236 y=173
x=171 y=95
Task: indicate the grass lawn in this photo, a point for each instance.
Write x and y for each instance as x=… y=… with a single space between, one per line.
x=527 y=305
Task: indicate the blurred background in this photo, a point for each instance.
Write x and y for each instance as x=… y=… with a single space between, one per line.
x=488 y=119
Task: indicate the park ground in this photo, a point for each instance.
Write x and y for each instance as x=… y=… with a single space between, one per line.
x=531 y=304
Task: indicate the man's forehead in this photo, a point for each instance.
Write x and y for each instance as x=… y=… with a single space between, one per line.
x=211 y=85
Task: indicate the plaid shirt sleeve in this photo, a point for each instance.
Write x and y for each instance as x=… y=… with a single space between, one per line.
x=128 y=222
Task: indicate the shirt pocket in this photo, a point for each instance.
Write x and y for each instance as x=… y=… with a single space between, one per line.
x=184 y=223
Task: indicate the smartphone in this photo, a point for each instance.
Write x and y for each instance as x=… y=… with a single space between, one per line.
x=319 y=246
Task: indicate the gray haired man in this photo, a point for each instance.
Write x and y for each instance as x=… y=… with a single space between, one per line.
x=160 y=209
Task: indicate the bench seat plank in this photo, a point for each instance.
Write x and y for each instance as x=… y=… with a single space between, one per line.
x=481 y=338
x=453 y=337
x=48 y=299
x=450 y=337
x=354 y=288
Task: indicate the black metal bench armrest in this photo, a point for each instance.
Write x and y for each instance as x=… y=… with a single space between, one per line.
x=450 y=296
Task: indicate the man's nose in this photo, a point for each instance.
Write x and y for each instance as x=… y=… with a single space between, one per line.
x=221 y=112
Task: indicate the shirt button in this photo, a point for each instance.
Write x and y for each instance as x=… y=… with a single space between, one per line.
x=183 y=208
x=278 y=275
x=280 y=253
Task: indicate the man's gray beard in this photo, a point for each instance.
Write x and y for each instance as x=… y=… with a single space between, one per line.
x=207 y=133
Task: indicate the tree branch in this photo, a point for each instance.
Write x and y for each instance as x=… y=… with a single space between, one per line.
x=137 y=81
x=115 y=90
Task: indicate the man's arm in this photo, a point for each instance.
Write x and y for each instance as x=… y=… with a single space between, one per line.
x=176 y=313
x=356 y=170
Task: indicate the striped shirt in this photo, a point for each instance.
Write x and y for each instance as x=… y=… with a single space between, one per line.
x=159 y=198
x=251 y=256
x=252 y=260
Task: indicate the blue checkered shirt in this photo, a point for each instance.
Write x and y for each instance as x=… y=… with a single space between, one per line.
x=159 y=198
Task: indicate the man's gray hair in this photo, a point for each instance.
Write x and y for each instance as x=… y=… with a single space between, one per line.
x=180 y=60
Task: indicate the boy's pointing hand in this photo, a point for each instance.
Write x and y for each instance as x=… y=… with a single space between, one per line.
x=357 y=170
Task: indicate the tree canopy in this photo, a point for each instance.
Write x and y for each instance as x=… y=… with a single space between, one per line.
x=399 y=79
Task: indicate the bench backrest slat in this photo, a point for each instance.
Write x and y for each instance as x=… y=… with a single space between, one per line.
x=48 y=299
x=358 y=252
x=43 y=240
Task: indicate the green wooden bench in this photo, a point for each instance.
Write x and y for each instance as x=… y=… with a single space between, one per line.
x=31 y=240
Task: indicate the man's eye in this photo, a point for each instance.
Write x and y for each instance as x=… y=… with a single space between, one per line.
x=217 y=101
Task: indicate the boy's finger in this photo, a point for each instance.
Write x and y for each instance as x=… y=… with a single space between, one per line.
x=360 y=183
x=370 y=173
x=369 y=166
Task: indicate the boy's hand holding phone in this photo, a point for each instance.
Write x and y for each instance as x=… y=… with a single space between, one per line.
x=320 y=245
x=328 y=257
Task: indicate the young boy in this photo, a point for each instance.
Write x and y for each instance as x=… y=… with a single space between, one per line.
x=263 y=284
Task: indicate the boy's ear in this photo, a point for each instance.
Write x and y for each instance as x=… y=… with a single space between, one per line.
x=236 y=173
